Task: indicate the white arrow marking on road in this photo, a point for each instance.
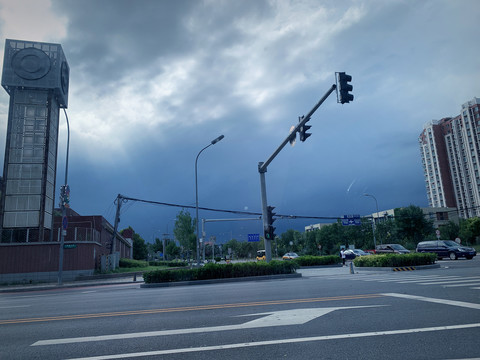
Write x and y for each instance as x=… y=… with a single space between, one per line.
x=277 y=318
x=279 y=342
x=434 y=300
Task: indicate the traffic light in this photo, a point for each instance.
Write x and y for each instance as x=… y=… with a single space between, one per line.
x=270 y=231
x=303 y=130
x=344 y=88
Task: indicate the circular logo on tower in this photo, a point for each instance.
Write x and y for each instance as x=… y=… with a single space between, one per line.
x=64 y=77
x=31 y=64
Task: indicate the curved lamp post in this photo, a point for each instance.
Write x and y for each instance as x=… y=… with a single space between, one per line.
x=373 y=220
x=213 y=142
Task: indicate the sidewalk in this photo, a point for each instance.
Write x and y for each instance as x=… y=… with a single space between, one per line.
x=101 y=280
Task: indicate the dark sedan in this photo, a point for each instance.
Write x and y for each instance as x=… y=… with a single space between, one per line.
x=446 y=248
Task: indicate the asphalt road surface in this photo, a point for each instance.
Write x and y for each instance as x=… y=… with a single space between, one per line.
x=326 y=314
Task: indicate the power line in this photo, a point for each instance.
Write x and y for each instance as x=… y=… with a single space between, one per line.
x=237 y=212
x=278 y=216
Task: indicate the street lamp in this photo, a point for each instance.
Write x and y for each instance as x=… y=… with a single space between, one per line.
x=64 y=210
x=213 y=142
x=373 y=220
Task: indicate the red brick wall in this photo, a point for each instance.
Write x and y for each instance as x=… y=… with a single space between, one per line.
x=43 y=257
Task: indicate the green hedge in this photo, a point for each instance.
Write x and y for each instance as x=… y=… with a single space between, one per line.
x=221 y=271
x=129 y=263
x=309 y=260
x=395 y=260
x=174 y=263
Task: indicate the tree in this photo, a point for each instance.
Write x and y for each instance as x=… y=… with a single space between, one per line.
x=292 y=237
x=469 y=230
x=330 y=237
x=411 y=225
x=184 y=231
x=140 y=249
x=172 y=250
x=310 y=243
x=384 y=231
x=449 y=231
x=234 y=247
x=157 y=245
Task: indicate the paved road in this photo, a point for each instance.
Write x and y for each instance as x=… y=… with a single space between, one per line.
x=326 y=314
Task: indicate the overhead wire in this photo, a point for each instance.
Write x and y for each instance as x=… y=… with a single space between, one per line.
x=278 y=216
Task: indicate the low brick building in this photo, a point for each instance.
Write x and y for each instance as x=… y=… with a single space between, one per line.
x=87 y=248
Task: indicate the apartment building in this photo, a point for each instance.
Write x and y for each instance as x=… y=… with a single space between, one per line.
x=450 y=151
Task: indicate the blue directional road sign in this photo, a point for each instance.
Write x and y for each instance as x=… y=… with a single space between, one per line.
x=253 y=237
x=351 y=220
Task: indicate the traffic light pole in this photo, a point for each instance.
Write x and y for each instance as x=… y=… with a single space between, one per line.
x=263 y=188
x=262 y=168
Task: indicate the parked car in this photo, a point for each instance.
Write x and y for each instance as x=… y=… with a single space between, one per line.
x=359 y=252
x=446 y=248
x=289 y=256
x=353 y=253
x=349 y=254
x=391 y=249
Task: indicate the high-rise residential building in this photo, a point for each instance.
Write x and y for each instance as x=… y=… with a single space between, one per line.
x=450 y=150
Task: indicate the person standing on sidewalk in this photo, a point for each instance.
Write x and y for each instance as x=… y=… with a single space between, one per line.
x=342 y=254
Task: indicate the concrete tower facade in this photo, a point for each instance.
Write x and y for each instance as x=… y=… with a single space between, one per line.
x=36 y=76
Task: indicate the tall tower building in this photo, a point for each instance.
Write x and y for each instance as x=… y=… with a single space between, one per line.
x=36 y=77
x=450 y=150
x=435 y=163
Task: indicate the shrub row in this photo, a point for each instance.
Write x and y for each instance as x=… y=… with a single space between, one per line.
x=175 y=263
x=221 y=271
x=395 y=260
x=309 y=260
x=129 y=263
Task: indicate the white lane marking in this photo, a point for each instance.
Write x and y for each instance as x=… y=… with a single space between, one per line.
x=434 y=300
x=14 y=306
x=433 y=280
x=281 y=341
x=278 y=318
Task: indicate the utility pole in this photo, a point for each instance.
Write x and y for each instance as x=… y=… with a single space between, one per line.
x=113 y=248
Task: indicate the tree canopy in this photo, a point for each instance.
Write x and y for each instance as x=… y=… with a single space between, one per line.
x=184 y=231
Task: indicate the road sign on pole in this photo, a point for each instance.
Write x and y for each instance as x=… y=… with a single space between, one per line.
x=253 y=237
x=351 y=220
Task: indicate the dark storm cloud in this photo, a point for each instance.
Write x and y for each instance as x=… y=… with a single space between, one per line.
x=109 y=39
x=153 y=82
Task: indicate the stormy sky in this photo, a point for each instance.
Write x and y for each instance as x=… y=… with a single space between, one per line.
x=153 y=82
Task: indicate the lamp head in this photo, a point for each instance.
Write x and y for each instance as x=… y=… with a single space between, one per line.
x=217 y=139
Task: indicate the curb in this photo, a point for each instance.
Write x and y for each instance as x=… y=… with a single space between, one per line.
x=218 y=281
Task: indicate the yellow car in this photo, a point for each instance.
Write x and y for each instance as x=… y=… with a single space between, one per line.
x=261 y=255
x=289 y=256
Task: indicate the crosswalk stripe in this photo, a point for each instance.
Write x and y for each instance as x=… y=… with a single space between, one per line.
x=465 y=284
x=443 y=280
x=449 y=281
